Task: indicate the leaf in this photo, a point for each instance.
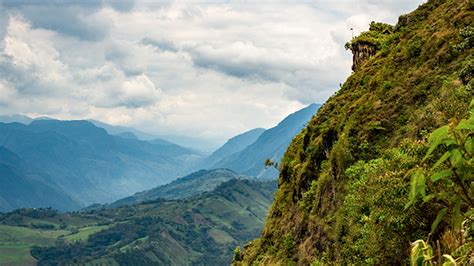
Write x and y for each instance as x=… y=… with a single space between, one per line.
x=455 y=157
x=469 y=213
x=419 y=260
x=457 y=216
x=440 y=216
x=429 y=197
x=443 y=174
x=466 y=124
x=436 y=138
x=421 y=186
x=414 y=187
x=469 y=145
x=441 y=159
x=450 y=260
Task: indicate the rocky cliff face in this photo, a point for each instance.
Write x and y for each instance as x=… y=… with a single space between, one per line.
x=344 y=180
x=361 y=51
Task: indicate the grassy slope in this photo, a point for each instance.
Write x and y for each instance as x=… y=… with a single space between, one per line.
x=201 y=229
x=17 y=235
x=344 y=179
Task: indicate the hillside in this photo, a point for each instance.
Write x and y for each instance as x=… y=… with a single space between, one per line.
x=91 y=166
x=344 y=181
x=270 y=144
x=233 y=145
x=199 y=230
x=183 y=187
x=24 y=186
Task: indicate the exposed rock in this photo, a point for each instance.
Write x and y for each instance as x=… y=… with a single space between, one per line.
x=361 y=51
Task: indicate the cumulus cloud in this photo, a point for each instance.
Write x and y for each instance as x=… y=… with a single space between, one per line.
x=139 y=91
x=208 y=70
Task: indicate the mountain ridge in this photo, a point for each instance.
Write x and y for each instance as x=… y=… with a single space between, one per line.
x=366 y=140
x=270 y=144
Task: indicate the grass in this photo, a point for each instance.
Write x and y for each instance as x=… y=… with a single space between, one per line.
x=17 y=241
x=220 y=236
x=24 y=235
x=16 y=254
x=84 y=233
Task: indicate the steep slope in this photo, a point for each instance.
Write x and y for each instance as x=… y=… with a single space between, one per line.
x=22 y=186
x=233 y=145
x=184 y=187
x=271 y=144
x=202 y=230
x=344 y=180
x=91 y=165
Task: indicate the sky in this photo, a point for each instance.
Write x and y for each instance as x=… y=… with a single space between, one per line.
x=203 y=69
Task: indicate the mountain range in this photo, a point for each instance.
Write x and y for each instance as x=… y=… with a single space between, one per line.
x=87 y=163
x=81 y=164
x=271 y=144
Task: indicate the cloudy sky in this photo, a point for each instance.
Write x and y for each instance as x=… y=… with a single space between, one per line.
x=207 y=69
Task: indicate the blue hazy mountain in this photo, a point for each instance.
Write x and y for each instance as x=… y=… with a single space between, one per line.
x=23 y=119
x=270 y=144
x=196 y=144
x=23 y=186
x=120 y=130
x=184 y=187
x=92 y=166
x=233 y=145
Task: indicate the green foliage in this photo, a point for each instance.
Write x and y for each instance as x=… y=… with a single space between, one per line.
x=421 y=253
x=376 y=35
x=269 y=163
x=203 y=229
x=467 y=34
x=449 y=162
x=450 y=158
x=373 y=228
x=346 y=178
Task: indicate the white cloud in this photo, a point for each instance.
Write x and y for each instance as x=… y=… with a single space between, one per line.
x=7 y=93
x=139 y=91
x=209 y=70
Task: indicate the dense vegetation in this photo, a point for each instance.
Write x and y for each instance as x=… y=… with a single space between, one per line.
x=364 y=179
x=198 y=230
x=184 y=187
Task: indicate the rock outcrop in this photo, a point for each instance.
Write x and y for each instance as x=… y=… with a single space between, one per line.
x=361 y=51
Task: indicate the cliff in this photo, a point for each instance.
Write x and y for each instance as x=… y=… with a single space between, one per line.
x=345 y=179
x=361 y=51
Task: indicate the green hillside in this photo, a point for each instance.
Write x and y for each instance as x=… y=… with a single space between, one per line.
x=198 y=230
x=345 y=179
x=184 y=187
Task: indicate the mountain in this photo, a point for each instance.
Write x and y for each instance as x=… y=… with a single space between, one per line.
x=197 y=144
x=15 y=118
x=360 y=182
x=121 y=130
x=270 y=144
x=184 y=187
x=201 y=230
x=89 y=164
x=23 y=186
x=127 y=135
x=233 y=145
